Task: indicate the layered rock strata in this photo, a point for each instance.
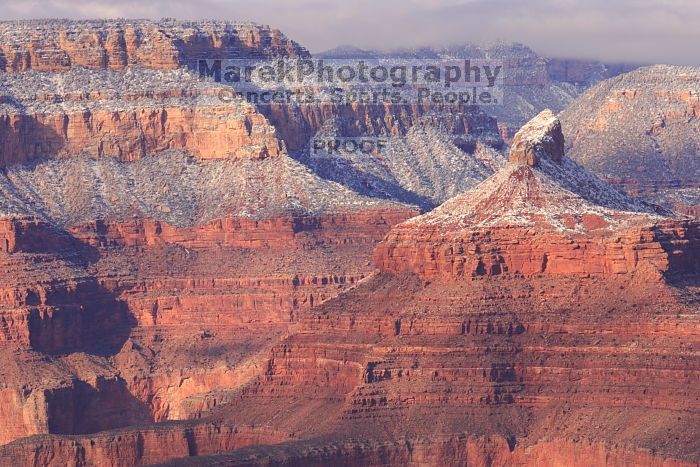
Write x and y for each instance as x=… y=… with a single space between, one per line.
x=542 y=318
x=147 y=107
x=578 y=364
x=542 y=214
x=155 y=241
x=640 y=130
x=127 y=115
x=126 y=448
x=59 y=45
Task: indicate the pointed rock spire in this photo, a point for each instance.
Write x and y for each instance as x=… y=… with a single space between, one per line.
x=540 y=137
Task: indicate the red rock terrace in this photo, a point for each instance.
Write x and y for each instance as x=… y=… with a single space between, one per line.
x=592 y=362
x=154 y=242
x=542 y=214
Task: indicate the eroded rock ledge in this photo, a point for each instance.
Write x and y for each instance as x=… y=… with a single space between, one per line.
x=541 y=214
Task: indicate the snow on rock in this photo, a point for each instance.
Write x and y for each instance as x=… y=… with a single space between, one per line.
x=172 y=187
x=540 y=187
x=540 y=137
x=424 y=167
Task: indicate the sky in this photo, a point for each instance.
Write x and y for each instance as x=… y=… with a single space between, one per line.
x=629 y=31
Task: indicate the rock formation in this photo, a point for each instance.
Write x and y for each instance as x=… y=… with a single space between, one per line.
x=541 y=214
x=175 y=284
x=59 y=45
x=539 y=138
x=154 y=241
x=543 y=318
x=640 y=130
x=150 y=446
x=126 y=115
x=62 y=104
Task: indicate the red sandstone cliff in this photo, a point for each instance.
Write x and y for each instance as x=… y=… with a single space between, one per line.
x=542 y=214
x=115 y=288
x=583 y=359
x=528 y=321
x=57 y=45
x=126 y=115
x=149 y=446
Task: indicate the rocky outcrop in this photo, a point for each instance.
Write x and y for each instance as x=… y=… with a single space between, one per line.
x=541 y=137
x=146 y=446
x=59 y=45
x=639 y=129
x=131 y=135
x=49 y=301
x=540 y=215
x=24 y=234
x=125 y=115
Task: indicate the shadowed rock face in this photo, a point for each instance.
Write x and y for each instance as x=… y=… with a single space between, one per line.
x=130 y=319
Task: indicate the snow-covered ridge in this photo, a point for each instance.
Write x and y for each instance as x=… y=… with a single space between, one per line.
x=172 y=187
x=425 y=167
x=640 y=129
x=550 y=194
x=79 y=88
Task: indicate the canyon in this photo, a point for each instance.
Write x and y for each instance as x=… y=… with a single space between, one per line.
x=640 y=131
x=155 y=240
x=183 y=282
x=514 y=361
